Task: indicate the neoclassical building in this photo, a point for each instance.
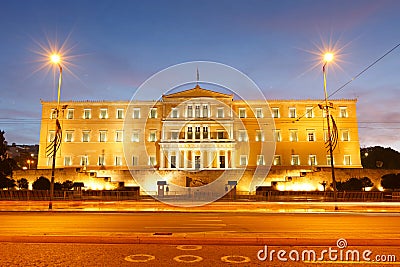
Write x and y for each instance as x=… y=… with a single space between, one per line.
x=199 y=130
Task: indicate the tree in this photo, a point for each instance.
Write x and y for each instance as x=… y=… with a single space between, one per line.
x=391 y=181
x=41 y=183
x=354 y=184
x=67 y=185
x=380 y=158
x=58 y=186
x=6 y=165
x=7 y=183
x=5 y=162
x=23 y=183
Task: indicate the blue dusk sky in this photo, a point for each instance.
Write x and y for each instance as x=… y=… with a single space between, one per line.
x=112 y=47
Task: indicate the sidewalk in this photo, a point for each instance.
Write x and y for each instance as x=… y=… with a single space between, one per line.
x=220 y=206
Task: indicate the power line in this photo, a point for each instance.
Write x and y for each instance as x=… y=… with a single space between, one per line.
x=364 y=70
x=355 y=77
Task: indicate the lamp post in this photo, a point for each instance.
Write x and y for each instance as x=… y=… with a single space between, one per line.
x=55 y=59
x=327 y=58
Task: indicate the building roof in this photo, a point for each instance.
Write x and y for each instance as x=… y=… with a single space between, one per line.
x=197 y=91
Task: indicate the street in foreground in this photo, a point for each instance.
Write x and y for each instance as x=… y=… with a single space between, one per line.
x=200 y=239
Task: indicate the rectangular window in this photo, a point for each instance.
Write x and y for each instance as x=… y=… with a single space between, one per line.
x=189 y=133
x=295 y=160
x=101 y=161
x=85 y=136
x=119 y=136
x=153 y=113
x=173 y=161
x=242 y=113
x=174 y=135
x=309 y=112
x=136 y=113
x=103 y=113
x=243 y=160
x=220 y=112
x=326 y=136
x=152 y=161
x=328 y=160
x=277 y=160
x=259 y=136
x=53 y=114
x=120 y=113
x=205 y=132
x=277 y=134
x=68 y=136
x=205 y=111
x=242 y=136
x=102 y=136
x=135 y=161
x=292 y=113
x=67 y=161
x=311 y=135
x=87 y=113
x=50 y=136
x=84 y=161
x=153 y=136
x=347 y=160
x=174 y=113
x=49 y=161
x=312 y=160
x=190 y=112
x=275 y=113
x=260 y=160
x=197 y=132
x=197 y=111
x=345 y=135
x=70 y=114
x=135 y=136
x=259 y=113
x=343 y=112
x=118 y=161
x=293 y=137
x=220 y=134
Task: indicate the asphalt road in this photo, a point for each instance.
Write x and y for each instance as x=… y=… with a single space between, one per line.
x=220 y=225
x=196 y=239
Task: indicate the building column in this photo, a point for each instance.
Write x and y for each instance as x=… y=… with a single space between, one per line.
x=177 y=158
x=185 y=159
x=193 y=161
x=201 y=159
x=209 y=160
x=161 y=158
x=169 y=159
x=233 y=158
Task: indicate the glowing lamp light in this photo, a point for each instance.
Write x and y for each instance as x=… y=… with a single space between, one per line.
x=55 y=58
x=328 y=57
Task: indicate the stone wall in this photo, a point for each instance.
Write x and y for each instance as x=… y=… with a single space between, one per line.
x=280 y=178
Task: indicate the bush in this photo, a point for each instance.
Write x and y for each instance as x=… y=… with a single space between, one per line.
x=391 y=181
x=41 y=183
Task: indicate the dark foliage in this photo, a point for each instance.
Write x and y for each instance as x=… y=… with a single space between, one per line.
x=41 y=183
x=391 y=181
x=380 y=158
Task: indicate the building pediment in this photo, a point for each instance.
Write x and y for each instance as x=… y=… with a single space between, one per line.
x=197 y=92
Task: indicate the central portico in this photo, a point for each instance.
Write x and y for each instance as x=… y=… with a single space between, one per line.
x=197 y=131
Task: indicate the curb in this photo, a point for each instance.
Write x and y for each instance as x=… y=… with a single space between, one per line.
x=171 y=240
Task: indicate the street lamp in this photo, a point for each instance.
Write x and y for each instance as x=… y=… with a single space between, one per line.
x=328 y=57
x=55 y=59
x=29 y=163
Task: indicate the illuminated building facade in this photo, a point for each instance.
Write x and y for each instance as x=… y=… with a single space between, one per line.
x=199 y=129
